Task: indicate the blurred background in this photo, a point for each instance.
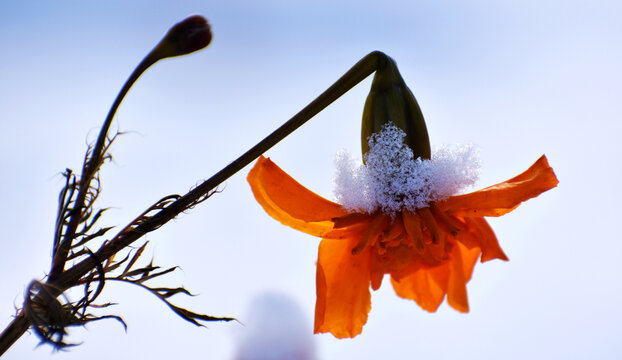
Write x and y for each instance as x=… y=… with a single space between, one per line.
x=517 y=78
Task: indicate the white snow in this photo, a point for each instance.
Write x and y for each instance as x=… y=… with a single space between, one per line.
x=392 y=179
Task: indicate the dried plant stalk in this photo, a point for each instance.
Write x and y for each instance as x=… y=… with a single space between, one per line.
x=48 y=315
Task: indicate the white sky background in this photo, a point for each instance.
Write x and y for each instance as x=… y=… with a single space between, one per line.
x=519 y=79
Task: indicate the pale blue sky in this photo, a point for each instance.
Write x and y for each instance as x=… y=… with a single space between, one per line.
x=517 y=78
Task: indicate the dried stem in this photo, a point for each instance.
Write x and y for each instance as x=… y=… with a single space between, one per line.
x=168 y=208
x=90 y=168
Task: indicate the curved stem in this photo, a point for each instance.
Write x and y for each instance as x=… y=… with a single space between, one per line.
x=355 y=75
x=62 y=280
x=20 y=323
x=361 y=70
x=13 y=331
x=90 y=167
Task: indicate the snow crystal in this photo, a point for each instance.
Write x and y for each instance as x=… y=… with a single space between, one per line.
x=392 y=179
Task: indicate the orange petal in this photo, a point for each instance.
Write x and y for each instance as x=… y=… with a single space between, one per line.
x=469 y=259
x=456 y=290
x=354 y=231
x=426 y=286
x=412 y=225
x=343 y=297
x=372 y=233
x=430 y=223
x=487 y=239
x=352 y=219
x=467 y=237
x=376 y=279
x=447 y=223
x=502 y=198
x=394 y=231
x=289 y=202
x=440 y=275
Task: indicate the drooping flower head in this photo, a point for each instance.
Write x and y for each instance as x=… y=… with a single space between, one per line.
x=400 y=214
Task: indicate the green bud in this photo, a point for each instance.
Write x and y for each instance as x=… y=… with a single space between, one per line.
x=391 y=101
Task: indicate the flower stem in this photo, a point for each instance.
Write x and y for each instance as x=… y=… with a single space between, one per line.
x=187 y=36
x=361 y=70
x=60 y=280
x=13 y=331
x=90 y=168
x=355 y=75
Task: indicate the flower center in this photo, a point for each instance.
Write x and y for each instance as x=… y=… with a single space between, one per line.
x=413 y=238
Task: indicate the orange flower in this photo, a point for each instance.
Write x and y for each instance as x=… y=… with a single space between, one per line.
x=429 y=252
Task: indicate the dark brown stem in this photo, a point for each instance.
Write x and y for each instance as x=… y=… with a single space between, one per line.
x=13 y=331
x=355 y=75
x=70 y=277
x=90 y=168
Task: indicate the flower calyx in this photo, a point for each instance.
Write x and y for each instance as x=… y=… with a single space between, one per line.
x=391 y=101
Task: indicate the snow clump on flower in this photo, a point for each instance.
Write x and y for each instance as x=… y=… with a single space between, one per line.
x=392 y=179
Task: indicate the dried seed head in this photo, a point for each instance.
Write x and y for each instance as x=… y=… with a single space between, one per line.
x=185 y=37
